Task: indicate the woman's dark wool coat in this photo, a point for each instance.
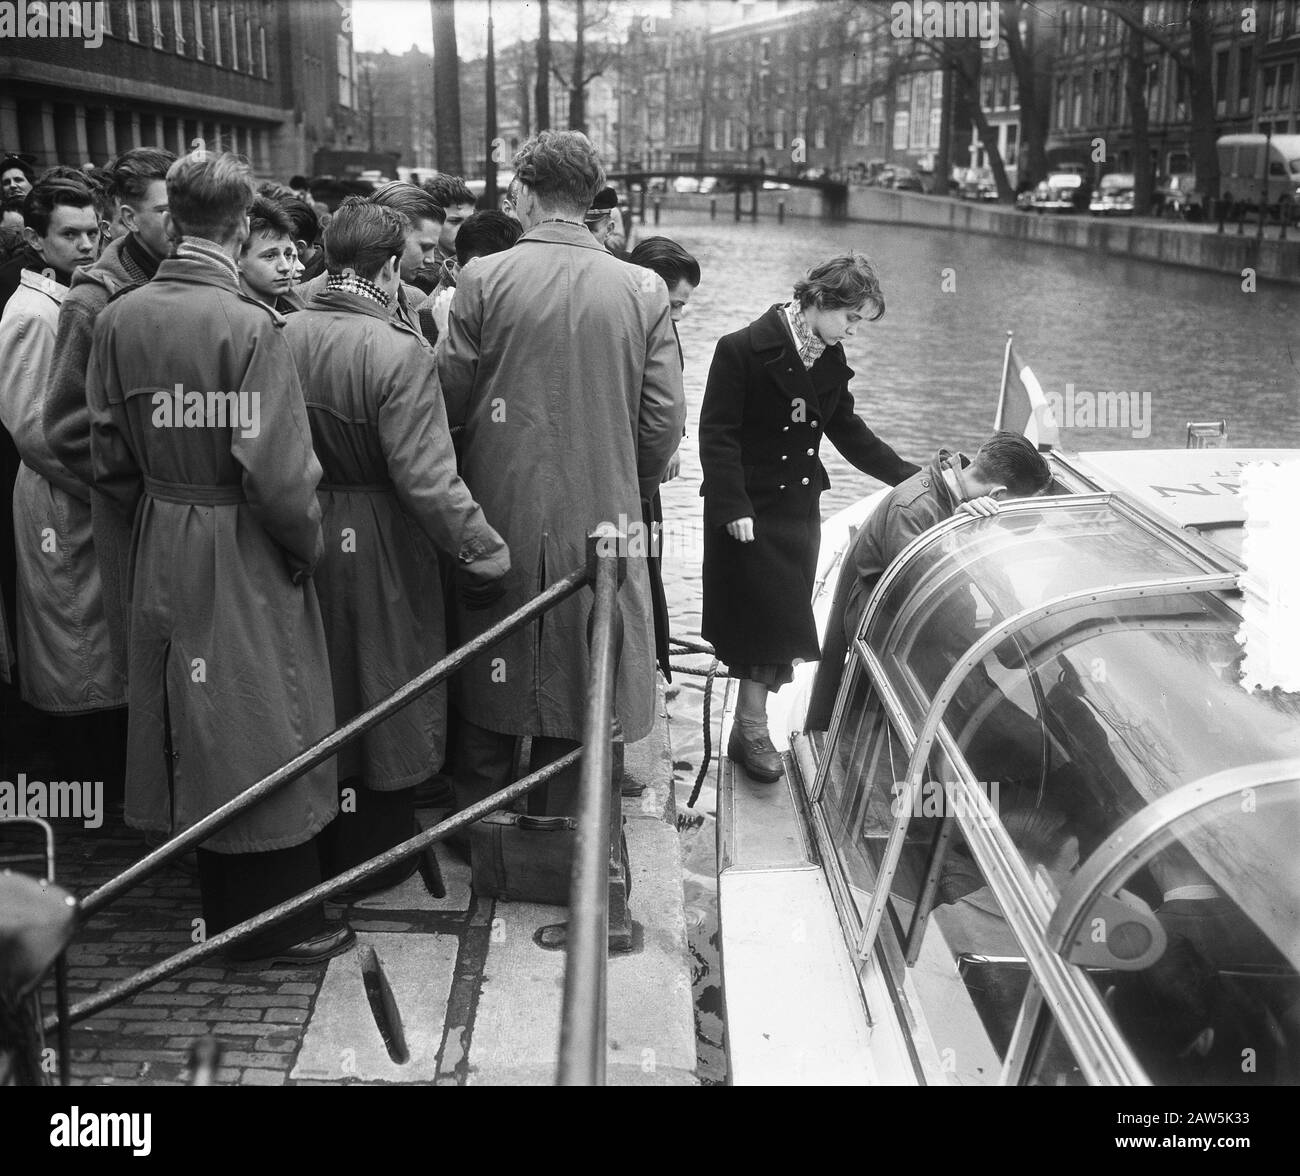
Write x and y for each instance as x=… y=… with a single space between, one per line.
x=761 y=428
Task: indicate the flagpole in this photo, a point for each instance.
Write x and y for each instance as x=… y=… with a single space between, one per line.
x=1002 y=392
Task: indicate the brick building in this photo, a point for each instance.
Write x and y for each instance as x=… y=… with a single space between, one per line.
x=785 y=84
x=1254 y=72
x=272 y=80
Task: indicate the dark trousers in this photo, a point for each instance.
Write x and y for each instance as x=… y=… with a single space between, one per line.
x=485 y=761
x=369 y=822
x=237 y=886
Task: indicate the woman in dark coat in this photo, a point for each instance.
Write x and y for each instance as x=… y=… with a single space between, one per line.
x=774 y=387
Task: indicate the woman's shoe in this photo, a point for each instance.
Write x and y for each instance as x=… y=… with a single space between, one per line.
x=317 y=950
x=755 y=754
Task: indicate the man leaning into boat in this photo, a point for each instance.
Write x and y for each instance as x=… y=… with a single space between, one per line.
x=1007 y=465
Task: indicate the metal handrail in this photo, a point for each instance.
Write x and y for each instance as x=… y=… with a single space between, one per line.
x=583 y=1019
x=330 y=745
x=291 y=906
x=583 y=1037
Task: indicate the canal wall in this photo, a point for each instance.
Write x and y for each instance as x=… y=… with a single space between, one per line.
x=1189 y=246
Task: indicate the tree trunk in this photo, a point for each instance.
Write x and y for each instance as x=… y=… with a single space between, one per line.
x=525 y=97
x=577 y=82
x=966 y=66
x=446 y=88
x=542 y=102
x=1034 y=82
x=491 y=141
x=1135 y=85
x=1200 y=86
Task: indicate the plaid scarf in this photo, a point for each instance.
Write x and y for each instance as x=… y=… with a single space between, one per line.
x=809 y=345
x=354 y=284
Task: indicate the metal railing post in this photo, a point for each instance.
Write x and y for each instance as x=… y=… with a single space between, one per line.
x=582 y=1026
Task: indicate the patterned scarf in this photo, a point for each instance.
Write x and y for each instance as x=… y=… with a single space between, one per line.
x=809 y=344
x=354 y=284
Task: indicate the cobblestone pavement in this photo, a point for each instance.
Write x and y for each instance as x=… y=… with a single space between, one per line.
x=258 y=1016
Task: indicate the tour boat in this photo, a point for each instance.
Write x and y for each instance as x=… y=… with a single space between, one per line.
x=1047 y=834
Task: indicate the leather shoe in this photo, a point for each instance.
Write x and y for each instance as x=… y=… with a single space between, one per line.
x=756 y=755
x=311 y=951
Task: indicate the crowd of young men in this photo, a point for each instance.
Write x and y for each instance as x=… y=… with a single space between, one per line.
x=237 y=508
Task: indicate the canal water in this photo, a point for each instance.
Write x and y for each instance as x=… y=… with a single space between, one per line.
x=1169 y=345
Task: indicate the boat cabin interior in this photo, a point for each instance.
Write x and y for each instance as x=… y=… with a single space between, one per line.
x=1056 y=828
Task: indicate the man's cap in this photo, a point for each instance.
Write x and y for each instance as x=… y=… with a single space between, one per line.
x=605 y=202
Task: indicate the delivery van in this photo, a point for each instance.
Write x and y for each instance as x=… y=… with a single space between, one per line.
x=1241 y=173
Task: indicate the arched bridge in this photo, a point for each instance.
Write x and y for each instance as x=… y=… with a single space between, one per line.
x=731 y=177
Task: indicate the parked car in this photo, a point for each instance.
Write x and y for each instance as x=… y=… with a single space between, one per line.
x=903 y=179
x=1114 y=195
x=1181 y=198
x=1060 y=192
x=977 y=184
x=686 y=185
x=708 y=185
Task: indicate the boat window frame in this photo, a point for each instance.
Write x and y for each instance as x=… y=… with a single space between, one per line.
x=1145 y=834
x=995 y=636
x=1192 y=546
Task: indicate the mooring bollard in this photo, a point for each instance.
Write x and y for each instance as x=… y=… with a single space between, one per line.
x=780 y=212
x=656 y=210
x=713 y=208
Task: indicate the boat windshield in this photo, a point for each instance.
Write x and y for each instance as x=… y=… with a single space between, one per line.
x=979 y=574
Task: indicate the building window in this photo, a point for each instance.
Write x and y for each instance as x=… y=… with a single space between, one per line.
x=178 y=27
x=248 y=44
x=1065 y=31
x=1097 y=97
x=986 y=92
x=199 y=47
x=234 y=43
x=216 y=35
x=1285 y=83
x=1245 y=77
x=1278 y=27
x=132 y=23
x=1270 y=87
x=1004 y=90
x=1076 y=105
x=766 y=55
x=261 y=50
x=819 y=131
x=155 y=21
x=1221 y=82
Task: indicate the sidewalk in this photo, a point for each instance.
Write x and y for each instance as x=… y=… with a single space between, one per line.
x=478 y=999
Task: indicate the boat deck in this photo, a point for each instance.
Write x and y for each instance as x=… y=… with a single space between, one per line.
x=479 y=1000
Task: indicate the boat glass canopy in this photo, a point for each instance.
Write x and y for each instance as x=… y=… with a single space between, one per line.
x=1015 y=791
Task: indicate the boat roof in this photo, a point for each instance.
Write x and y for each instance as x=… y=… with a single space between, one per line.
x=1194 y=487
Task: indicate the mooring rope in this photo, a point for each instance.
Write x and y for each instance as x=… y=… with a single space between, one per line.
x=708 y=675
